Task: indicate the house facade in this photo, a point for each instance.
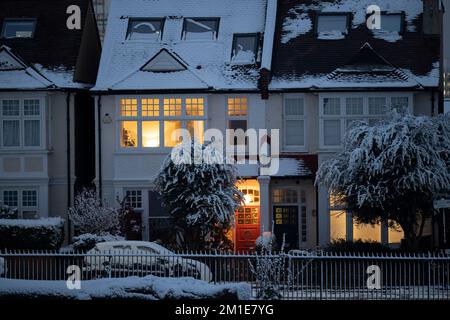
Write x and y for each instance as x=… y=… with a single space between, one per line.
x=46 y=125
x=299 y=72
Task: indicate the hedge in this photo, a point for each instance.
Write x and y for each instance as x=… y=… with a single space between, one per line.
x=40 y=234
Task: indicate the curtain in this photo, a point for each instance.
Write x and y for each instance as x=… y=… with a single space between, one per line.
x=31 y=133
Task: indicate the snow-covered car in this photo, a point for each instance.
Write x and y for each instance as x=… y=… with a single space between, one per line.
x=142 y=258
x=2 y=267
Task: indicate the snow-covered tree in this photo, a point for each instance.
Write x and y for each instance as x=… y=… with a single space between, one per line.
x=199 y=192
x=91 y=215
x=392 y=171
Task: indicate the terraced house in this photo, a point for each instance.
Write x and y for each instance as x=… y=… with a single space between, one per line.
x=308 y=68
x=46 y=112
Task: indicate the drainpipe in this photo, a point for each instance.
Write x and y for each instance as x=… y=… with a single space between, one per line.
x=99 y=132
x=69 y=180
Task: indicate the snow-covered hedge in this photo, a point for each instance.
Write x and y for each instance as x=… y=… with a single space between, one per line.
x=46 y=233
x=148 y=288
x=87 y=241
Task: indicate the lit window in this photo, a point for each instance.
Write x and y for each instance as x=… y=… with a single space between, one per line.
x=128 y=134
x=20 y=28
x=145 y=29
x=200 y=28
x=29 y=198
x=172 y=107
x=171 y=137
x=294 y=122
x=395 y=233
x=237 y=106
x=366 y=232
x=194 y=107
x=134 y=198
x=128 y=107
x=245 y=48
x=377 y=106
x=332 y=25
x=251 y=196
x=196 y=130
x=392 y=22
x=150 y=107
x=338 y=225
x=150 y=134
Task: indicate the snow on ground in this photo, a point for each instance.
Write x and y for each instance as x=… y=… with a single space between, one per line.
x=298 y=21
x=148 y=288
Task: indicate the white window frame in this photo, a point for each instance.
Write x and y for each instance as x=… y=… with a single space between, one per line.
x=20 y=207
x=228 y=118
x=21 y=117
x=285 y=118
x=161 y=118
x=343 y=117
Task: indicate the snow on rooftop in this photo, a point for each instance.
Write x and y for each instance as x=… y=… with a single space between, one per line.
x=298 y=20
x=208 y=61
x=290 y=167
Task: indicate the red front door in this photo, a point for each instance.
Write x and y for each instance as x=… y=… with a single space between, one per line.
x=247 y=228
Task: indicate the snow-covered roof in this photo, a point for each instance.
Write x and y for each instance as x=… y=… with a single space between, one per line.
x=208 y=62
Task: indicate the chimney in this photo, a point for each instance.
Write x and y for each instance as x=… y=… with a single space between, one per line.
x=431 y=17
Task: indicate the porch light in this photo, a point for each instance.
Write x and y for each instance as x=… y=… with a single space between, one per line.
x=248 y=198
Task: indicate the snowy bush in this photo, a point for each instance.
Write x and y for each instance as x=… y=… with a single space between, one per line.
x=7 y=213
x=87 y=241
x=392 y=171
x=37 y=234
x=200 y=196
x=265 y=243
x=91 y=215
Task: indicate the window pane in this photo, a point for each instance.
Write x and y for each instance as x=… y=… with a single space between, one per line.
x=237 y=106
x=338 y=223
x=391 y=22
x=200 y=28
x=144 y=29
x=150 y=107
x=18 y=29
x=332 y=132
x=194 y=107
x=237 y=138
x=10 y=108
x=31 y=107
x=366 y=232
x=11 y=198
x=285 y=196
x=354 y=106
x=134 y=198
x=150 y=134
x=294 y=107
x=332 y=106
x=395 y=234
x=377 y=105
x=399 y=103
x=172 y=107
x=327 y=23
x=196 y=129
x=11 y=133
x=32 y=133
x=171 y=139
x=244 y=49
x=295 y=132
x=128 y=107
x=128 y=134
x=29 y=198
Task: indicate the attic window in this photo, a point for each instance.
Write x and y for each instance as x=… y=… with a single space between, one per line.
x=332 y=26
x=200 y=28
x=245 y=48
x=391 y=22
x=18 y=28
x=145 y=29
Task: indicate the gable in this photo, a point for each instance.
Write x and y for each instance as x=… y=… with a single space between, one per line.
x=8 y=62
x=163 y=62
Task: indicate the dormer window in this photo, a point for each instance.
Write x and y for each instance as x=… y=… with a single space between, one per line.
x=392 y=22
x=200 y=28
x=18 y=28
x=149 y=29
x=245 y=48
x=331 y=26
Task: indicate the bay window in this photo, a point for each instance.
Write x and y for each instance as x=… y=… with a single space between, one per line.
x=294 y=122
x=155 y=122
x=340 y=113
x=20 y=123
